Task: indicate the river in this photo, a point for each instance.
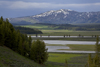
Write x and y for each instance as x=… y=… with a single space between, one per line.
x=64 y=43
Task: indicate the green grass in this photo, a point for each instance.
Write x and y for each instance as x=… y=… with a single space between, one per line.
x=40 y=27
x=55 y=57
x=82 y=47
x=55 y=31
x=9 y=58
x=48 y=30
x=68 y=32
x=74 y=60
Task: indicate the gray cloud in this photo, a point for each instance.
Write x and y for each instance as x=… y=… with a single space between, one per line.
x=28 y=5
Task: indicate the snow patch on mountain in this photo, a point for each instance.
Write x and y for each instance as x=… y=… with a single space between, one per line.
x=53 y=12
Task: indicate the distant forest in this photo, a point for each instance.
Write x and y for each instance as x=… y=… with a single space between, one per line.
x=86 y=27
x=25 y=30
x=75 y=27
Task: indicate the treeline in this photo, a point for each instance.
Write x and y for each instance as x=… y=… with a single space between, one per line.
x=77 y=27
x=22 y=44
x=86 y=27
x=25 y=30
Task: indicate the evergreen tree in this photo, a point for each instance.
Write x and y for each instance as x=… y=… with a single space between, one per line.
x=1 y=36
x=1 y=18
x=1 y=21
x=20 y=47
x=38 y=52
x=26 y=49
x=30 y=41
x=15 y=41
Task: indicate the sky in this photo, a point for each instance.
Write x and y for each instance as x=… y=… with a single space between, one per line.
x=21 y=8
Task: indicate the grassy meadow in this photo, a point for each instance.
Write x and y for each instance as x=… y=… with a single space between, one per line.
x=51 y=30
x=74 y=60
x=54 y=57
x=82 y=47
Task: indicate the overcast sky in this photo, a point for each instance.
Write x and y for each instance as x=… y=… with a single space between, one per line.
x=20 y=8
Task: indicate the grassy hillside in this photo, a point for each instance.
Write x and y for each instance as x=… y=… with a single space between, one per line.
x=9 y=58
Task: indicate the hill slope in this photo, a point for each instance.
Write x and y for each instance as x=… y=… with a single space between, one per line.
x=9 y=58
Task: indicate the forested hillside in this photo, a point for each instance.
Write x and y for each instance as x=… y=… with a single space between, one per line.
x=21 y=43
x=25 y=30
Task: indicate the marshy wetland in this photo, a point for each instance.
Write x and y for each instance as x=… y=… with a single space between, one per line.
x=67 y=44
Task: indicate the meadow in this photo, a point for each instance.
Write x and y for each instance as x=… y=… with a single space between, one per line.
x=51 y=30
x=62 y=57
x=73 y=60
x=80 y=47
x=58 y=59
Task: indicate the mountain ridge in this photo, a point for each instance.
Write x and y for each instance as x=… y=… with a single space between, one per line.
x=62 y=16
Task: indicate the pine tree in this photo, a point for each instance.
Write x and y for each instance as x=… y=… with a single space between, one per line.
x=26 y=49
x=15 y=41
x=1 y=36
x=20 y=47
x=1 y=18
x=38 y=52
x=1 y=21
x=30 y=41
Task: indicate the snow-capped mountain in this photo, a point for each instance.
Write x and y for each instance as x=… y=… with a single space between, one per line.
x=62 y=16
x=53 y=12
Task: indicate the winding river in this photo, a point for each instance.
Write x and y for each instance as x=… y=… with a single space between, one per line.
x=64 y=42
x=55 y=48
